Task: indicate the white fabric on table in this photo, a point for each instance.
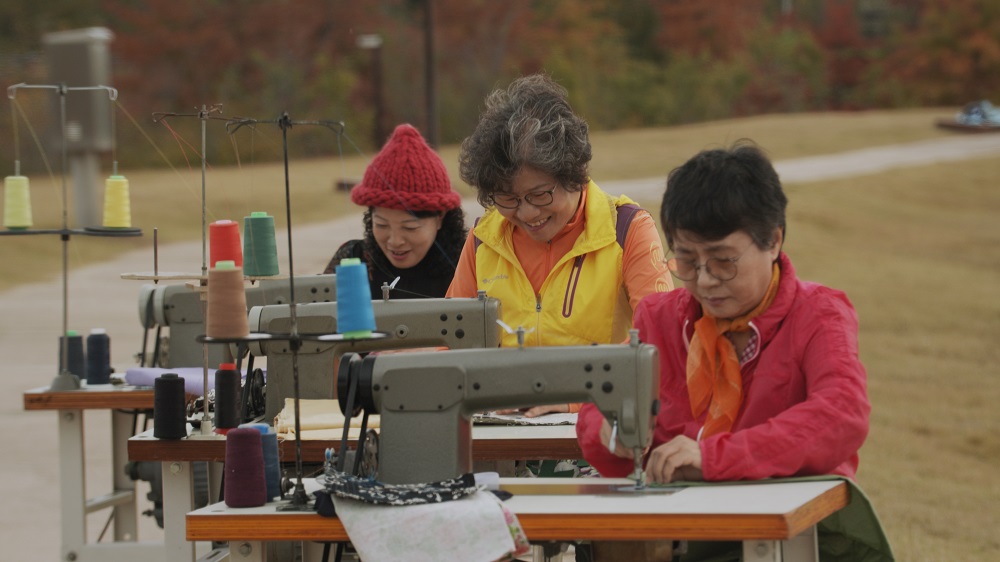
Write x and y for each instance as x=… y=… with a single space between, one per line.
x=475 y=528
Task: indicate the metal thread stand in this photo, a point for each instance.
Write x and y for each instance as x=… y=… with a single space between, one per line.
x=65 y=380
x=299 y=500
x=74 y=504
x=204 y=115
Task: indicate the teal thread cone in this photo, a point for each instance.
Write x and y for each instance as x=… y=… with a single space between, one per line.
x=260 y=251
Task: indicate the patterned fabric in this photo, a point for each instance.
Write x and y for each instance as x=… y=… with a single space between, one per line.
x=368 y=490
x=476 y=528
x=406 y=175
x=713 y=370
x=751 y=349
x=521 y=544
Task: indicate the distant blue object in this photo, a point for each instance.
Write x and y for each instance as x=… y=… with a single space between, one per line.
x=979 y=113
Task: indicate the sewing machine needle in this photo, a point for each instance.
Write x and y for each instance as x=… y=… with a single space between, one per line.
x=640 y=475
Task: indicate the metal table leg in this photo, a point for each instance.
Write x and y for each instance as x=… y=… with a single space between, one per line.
x=178 y=500
x=801 y=548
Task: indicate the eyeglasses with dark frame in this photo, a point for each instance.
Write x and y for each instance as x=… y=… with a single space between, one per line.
x=535 y=198
x=722 y=269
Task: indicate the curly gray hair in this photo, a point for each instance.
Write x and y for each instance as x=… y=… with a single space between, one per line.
x=528 y=124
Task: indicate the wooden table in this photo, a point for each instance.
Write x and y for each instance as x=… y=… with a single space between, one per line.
x=70 y=406
x=775 y=521
x=490 y=442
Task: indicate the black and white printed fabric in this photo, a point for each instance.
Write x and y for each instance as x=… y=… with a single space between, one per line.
x=369 y=490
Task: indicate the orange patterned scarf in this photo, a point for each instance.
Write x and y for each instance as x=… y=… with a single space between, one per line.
x=713 y=371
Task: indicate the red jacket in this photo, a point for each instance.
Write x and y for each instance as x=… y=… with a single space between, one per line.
x=805 y=406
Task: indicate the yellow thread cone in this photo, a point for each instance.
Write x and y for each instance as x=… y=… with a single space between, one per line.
x=117 y=211
x=16 y=203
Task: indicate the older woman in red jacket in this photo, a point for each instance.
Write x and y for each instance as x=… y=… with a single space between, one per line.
x=759 y=370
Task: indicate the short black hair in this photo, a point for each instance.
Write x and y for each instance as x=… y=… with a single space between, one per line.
x=720 y=191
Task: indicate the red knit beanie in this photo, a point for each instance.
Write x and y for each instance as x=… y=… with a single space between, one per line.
x=406 y=175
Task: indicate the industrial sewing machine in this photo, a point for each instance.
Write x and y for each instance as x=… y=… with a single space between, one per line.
x=459 y=323
x=180 y=308
x=426 y=399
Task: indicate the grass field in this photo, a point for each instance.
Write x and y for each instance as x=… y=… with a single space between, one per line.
x=170 y=199
x=917 y=250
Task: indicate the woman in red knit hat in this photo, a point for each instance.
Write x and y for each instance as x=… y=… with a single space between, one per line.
x=414 y=223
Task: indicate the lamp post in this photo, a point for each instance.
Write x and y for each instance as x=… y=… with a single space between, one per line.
x=373 y=42
x=429 y=74
x=82 y=58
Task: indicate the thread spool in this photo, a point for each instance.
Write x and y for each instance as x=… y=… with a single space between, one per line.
x=260 y=251
x=227 y=302
x=98 y=357
x=244 y=470
x=16 y=203
x=227 y=396
x=117 y=209
x=272 y=464
x=169 y=418
x=75 y=362
x=355 y=316
x=224 y=242
x=259 y=426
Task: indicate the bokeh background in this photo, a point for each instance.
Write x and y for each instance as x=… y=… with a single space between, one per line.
x=639 y=63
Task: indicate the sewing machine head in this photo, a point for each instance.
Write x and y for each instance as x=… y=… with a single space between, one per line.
x=426 y=399
x=460 y=323
x=180 y=308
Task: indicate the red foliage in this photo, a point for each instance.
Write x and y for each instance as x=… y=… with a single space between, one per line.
x=695 y=27
x=180 y=51
x=840 y=37
x=951 y=53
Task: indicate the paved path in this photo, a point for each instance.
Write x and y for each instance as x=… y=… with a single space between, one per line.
x=32 y=318
x=853 y=163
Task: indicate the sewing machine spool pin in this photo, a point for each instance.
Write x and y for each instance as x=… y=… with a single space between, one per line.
x=386 y=287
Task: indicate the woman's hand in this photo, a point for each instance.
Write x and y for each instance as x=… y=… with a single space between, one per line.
x=538 y=410
x=620 y=451
x=677 y=459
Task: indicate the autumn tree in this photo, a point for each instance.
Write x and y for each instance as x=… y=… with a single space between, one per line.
x=949 y=54
x=717 y=29
x=257 y=59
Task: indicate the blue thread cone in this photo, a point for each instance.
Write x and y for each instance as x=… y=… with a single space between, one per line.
x=355 y=317
x=272 y=466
